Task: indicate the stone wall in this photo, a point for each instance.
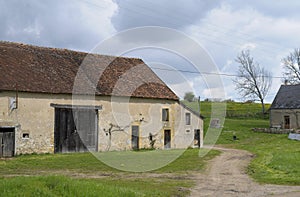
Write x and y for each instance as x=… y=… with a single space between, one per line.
x=34 y=121
x=277 y=118
x=274 y=130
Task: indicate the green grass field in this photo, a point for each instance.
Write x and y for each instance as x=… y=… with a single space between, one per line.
x=277 y=158
x=81 y=174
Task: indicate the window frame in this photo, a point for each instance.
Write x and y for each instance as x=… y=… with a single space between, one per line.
x=188 y=118
x=165 y=117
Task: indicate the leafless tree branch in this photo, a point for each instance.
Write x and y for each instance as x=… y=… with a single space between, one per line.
x=252 y=81
x=291 y=66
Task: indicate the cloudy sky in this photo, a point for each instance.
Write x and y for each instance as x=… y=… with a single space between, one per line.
x=268 y=28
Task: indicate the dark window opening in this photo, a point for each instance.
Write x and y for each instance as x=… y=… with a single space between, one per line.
x=165 y=114
x=25 y=135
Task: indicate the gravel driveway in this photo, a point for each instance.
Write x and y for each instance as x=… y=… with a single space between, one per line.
x=226 y=176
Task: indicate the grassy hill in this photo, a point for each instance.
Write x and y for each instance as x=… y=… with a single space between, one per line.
x=237 y=110
x=277 y=158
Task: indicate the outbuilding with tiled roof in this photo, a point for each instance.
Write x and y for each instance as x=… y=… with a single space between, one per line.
x=285 y=108
x=59 y=100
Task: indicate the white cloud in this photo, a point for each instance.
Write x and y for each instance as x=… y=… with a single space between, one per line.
x=230 y=28
x=76 y=25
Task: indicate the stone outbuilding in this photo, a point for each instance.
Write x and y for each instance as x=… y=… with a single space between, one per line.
x=58 y=100
x=285 y=109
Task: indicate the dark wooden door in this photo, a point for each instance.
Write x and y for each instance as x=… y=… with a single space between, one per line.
x=7 y=142
x=197 y=138
x=75 y=130
x=167 y=139
x=286 y=122
x=135 y=137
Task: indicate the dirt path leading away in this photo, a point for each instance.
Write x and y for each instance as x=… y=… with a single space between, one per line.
x=226 y=176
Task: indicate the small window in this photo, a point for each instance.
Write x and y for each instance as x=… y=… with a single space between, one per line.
x=187 y=118
x=25 y=135
x=165 y=114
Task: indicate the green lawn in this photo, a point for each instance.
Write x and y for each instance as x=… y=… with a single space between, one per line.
x=81 y=174
x=277 y=158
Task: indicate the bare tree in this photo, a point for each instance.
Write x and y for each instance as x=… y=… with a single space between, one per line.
x=252 y=81
x=291 y=66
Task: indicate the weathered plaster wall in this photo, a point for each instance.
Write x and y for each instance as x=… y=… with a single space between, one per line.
x=184 y=134
x=35 y=116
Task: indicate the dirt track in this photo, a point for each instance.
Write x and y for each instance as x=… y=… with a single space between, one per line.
x=226 y=177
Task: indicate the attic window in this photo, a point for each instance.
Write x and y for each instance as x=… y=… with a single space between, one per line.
x=165 y=114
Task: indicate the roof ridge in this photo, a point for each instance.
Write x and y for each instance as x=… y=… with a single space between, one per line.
x=63 y=50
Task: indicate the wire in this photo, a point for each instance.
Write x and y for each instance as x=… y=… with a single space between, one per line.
x=206 y=73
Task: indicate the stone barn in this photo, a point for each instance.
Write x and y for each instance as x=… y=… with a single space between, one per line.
x=58 y=100
x=285 y=109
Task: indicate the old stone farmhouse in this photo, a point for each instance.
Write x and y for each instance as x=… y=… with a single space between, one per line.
x=285 y=109
x=54 y=100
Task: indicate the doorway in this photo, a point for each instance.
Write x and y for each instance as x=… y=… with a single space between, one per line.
x=197 y=138
x=167 y=139
x=7 y=141
x=75 y=130
x=286 y=122
x=135 y=137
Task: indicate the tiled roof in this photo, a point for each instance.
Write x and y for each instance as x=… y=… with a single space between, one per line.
x=288 y=97
x=48 y=70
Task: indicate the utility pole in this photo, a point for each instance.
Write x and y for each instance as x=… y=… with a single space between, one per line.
x=199 y=105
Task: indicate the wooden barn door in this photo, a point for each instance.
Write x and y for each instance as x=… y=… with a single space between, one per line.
x=75 y=130
x=286 y=122
x=7 y=142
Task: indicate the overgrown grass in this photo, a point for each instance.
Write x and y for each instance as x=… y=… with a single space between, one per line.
x=65 y=186
x=277 y=158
